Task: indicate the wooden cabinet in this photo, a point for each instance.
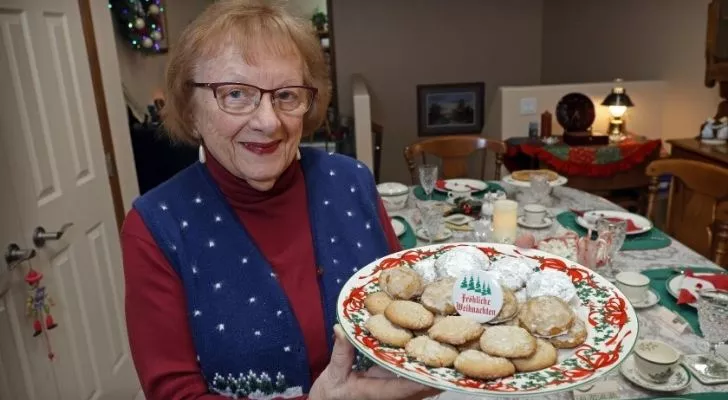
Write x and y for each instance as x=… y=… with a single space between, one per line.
x=693 y=149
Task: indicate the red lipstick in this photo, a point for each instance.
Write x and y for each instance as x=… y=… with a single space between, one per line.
x=262 y=148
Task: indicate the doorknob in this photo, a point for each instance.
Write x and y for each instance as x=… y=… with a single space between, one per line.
x=14 y=255
x=40 y=236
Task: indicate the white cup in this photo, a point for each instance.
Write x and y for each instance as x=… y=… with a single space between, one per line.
x=633 y=284
x=656 y=361
x=534 y=214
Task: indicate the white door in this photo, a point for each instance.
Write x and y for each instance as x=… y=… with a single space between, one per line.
x=53 y=173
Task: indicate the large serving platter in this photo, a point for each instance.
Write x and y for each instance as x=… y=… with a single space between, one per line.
x=610 y=319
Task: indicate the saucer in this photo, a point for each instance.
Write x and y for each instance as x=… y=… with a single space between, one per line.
x=650 y=300
x=547 y=221
x=678 y=381
x=698 y=363
x=445 y=234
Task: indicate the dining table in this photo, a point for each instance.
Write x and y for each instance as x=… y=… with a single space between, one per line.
x=652 y=320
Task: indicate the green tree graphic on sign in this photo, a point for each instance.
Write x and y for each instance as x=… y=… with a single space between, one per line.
x=464 y=284
x=477 y=286
x=471 y=284
x=486 y=290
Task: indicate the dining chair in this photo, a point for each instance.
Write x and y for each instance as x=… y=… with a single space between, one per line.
x=697 y=208
x=454 y=152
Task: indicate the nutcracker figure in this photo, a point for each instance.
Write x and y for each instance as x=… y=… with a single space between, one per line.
x=39 y=303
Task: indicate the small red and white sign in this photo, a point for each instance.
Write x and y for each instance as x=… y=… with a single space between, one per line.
x=478 y=296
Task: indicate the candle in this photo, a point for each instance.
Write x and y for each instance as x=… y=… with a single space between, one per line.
x=505 y=216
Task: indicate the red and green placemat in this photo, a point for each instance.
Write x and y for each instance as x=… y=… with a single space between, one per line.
x=595 y=161
x=408 y=239
x=650 y=240
x=440 y=196
x=658 y=282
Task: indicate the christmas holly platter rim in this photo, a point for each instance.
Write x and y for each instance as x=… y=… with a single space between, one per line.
x=611 y=321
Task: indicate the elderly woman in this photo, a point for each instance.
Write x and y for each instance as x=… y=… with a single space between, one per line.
x=233 y=266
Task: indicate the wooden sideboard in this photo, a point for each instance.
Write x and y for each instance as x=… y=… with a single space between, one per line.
x=693 y=149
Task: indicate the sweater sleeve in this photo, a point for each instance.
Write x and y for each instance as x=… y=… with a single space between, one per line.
x=159 y=334
x=392 y=239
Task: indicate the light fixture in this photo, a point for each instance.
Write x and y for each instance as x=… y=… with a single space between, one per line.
x=618 y=102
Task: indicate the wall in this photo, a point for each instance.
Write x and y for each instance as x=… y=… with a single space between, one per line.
x=143 y=75
x=597 y=41
x=397 y=45
x=647 y=119
x=305 y=8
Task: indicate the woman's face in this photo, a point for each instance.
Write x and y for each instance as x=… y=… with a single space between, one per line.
x=258 y=146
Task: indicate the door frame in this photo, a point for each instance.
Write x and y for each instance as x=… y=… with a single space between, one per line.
x=102 y=110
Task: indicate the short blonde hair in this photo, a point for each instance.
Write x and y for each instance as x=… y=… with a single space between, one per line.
x=258 y=28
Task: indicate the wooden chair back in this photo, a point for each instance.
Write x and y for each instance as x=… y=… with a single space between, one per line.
x=454 y=152
x=697 y=210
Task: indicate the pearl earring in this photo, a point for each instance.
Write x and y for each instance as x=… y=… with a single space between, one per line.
x=201 y=154
x=298 y=154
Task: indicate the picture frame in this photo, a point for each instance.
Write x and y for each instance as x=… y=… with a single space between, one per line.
x=450 y=108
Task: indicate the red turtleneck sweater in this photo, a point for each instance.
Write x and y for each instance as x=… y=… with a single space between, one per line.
x=156 y=312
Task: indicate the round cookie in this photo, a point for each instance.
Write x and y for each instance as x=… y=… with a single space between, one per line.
x=386 y=332
x=377 y=302
x=478 y=365
x=546 y=316
x=507 y=341
x=544 y=357
x=471 y=345
x=409 y=314
x=437 y=296
x=456 y=330
x=551 y=283
x=401 y=283
x=509 y=309
x=574 y=337
x=431 y=352
x=423 y=332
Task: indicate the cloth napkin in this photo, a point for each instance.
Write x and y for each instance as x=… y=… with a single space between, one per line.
x=691 y=284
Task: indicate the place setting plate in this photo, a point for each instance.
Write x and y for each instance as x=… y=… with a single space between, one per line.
x=560 y=181
x=641 y=224
x=398 y=226
x=611 y=321
x=461 y=185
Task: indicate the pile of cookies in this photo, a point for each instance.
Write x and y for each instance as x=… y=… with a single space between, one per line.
x=416 y=313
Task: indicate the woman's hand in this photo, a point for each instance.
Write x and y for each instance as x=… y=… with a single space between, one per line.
x=338 y=381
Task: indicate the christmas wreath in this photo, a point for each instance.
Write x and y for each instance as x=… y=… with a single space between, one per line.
x=140 y=23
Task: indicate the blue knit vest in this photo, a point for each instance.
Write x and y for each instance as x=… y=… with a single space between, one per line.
x=247 y=338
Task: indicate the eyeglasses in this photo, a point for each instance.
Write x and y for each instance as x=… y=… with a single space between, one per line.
x=239 y=98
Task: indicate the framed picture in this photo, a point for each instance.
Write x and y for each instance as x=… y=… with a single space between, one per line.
x=454 y=108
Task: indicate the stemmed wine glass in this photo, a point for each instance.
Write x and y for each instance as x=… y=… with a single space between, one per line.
x=713 y=318
x=614 y=232
x=428 y=178
x=432 y=219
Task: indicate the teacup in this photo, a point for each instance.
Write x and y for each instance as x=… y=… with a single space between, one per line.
x=656 y=361
x=633 y=284
x=534 y=214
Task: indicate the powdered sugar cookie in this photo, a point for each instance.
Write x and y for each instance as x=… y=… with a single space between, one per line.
x=507 y=341
x=544 y=357
x=377 y=302
x=401 y=283
x=437 y=296
x=546 y=316
x=574 y=337
x=456 y=261
x=431 y=352
x=409 y=314
x=386 y=332
x=512 y=272
x=479 y=365
x=550 y=283
x=426 y=269
x=456 y=330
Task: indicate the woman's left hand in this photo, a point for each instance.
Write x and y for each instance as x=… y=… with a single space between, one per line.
x=338 y=381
